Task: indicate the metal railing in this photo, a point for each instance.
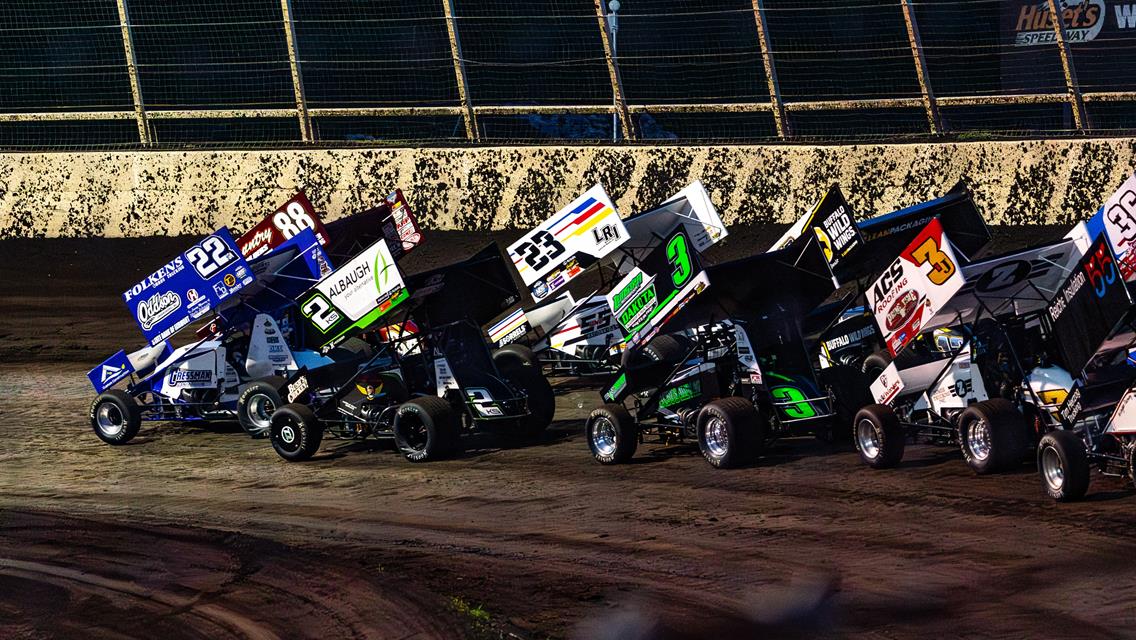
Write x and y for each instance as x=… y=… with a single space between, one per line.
x=781 y=109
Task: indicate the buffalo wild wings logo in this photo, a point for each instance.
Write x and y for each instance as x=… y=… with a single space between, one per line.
x=1033 y=21
x=156 y=308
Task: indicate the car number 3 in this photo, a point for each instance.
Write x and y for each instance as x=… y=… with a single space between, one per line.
x=930 y=253
x=210 y=256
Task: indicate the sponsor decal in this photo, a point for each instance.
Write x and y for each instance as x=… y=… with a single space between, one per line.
x=888 y=385
x=156 y=308
x=1033 y=22
x=288 y=221
x=682 y=393
x=902 y=309
x=192 y=295
x=605 y=235
x=1070 y=410
x=297 y=388
x=190 y=376
x=613 y=392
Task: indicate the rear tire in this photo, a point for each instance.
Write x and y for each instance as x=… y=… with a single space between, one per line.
x=511 y=357
x=296 y=432
x=116 y=417
x=541 y=399
x=427 y=429
x=257 y=402
x=992 y=436
x=850 y=390
x=729 y=432
x=880 y=439
x=1063 y=465
x=875 y=364
x=612 y=434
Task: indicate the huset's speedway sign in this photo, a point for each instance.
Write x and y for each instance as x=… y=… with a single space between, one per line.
x=916 y=285
x=1031 y=21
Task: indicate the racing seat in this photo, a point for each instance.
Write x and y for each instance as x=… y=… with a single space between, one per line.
x=144 y=359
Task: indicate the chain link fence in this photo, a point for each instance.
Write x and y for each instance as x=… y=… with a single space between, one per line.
x=158 y=74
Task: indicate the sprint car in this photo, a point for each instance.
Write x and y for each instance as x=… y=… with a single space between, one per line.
x=232 y=370
x=1021 y=326
x=429 y=376
x=577 y=336
x=733 y=372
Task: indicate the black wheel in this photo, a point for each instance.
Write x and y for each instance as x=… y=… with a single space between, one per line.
x=426 y=429
x=1064 y=465
x=880 y=440
x=992 y=436
x=115 y=417
x=541 y=399
x=875 y=364
x=612 y=434
x=295 y=432
x=850 y=390
x=256 y=404
x=511 y=357
x=730 y=431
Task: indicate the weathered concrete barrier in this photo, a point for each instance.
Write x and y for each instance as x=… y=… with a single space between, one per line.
x=165 y=193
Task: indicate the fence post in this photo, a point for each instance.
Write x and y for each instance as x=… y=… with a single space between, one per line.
x=613 y=74
x=297 y=77
x=916 y=42
x=132 y=71
x=1072 y=87
x=471 y=131
x=780 y=118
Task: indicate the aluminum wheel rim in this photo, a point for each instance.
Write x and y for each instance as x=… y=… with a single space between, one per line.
x=110 y=419
x=717 y=439
x=1052 y=469
x=868 y=438
x=978 y=439
x=604 y=437
x=289 y=437
x=260 y=409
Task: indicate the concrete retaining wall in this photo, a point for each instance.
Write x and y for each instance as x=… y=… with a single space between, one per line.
x=167 y=193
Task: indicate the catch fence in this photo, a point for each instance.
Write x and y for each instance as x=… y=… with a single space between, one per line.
x=160 y=74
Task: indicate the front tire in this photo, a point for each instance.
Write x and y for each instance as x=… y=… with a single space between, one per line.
x=116 y=417
x=729 y=432
x=992 y=436
x=1063 y=465
x=295 y=433
x=426 y=429
x=612 y=434
x=257 y=402
x=880 y=439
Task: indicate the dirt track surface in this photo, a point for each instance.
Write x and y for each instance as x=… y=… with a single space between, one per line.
x=192 y=532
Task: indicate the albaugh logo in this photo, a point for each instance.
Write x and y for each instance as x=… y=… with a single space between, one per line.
x=156 y=308
x=1033 y=23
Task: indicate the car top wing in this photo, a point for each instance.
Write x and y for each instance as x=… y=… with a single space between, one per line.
x=691 y=207
x=664 y=282
x=188 y=287
x=781 y=284
x=832 y=222
x=564 y=245
x=282 y=276
x=886 y=236
x=393 y=221
x=278 y=227
x=1088 y=308
x=478 y=288
x=352 y=298
x=915 y=286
